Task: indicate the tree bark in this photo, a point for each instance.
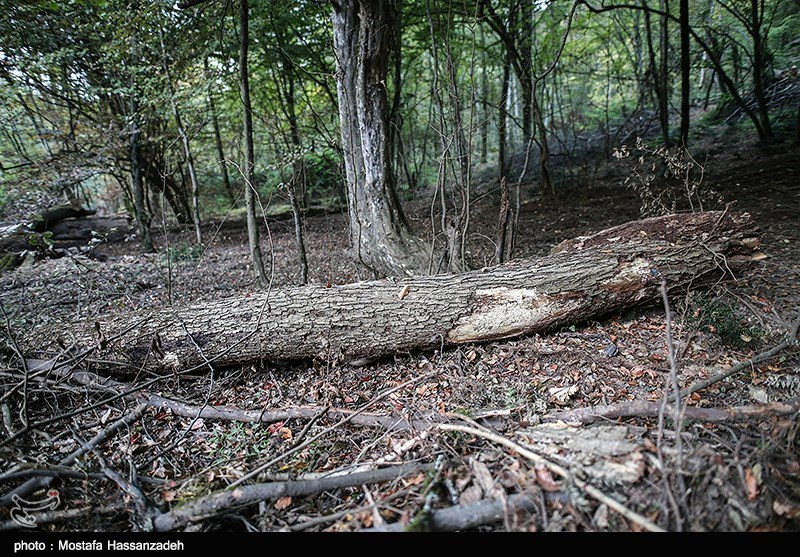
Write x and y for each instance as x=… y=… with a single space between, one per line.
x=212 y=107
x=187 y=149
x=585 y=278
x=249 y=156
x=383 y=241
x=685 y=75
x=143 y=217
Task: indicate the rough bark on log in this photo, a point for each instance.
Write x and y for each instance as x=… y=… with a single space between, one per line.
x=584 y=279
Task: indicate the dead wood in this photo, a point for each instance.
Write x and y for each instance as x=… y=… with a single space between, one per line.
x=212 y=504
x=589 y=447
x=790 y=340
x=391 y=423
x=465 y=516
x=642 y=409
x=48 y=218
x=36 y=483
x=585 y=278
x=61 y=516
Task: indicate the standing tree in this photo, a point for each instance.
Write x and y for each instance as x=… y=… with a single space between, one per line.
x=686 y=62
x=249 y=154
x=382 y=239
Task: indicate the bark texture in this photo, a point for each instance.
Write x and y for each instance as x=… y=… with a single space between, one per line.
x=381 y=237
x=582 y=279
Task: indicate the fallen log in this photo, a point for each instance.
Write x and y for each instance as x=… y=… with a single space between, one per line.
x=40 y=237
x=582 y=279
x=50 y=217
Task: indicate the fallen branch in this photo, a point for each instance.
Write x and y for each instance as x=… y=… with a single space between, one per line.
x=36 y=483
x=645 y=409
x=469 y=515
x=559 y=470
x=210 y=505
x=60 y=516
x=232 y=413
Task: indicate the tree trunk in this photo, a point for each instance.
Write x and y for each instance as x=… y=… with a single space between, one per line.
x=223 y=167
x=187 y=149
x=249 y=155
x=585 y=278
x=663 y=76
x=659 y=87
x=685 y=75
x=379 y=232
x=295 y=189
x=137 y=182
x=760 y=61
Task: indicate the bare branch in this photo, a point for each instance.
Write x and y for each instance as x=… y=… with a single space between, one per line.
x=247 y=495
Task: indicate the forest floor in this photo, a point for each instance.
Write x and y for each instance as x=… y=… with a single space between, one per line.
x=492 y=436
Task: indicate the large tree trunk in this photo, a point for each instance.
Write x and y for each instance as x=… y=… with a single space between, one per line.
x=582 y=279
x=381 y=237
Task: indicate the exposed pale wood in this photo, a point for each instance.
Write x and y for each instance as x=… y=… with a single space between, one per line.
x=643 y=408
x=584 y=279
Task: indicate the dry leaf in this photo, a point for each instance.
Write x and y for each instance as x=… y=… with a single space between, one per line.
x=601 y=517
x=285 y=433
x=751 y=483
x=562 y=394
x=784 y=509
x=283 y=502
x=403 y=292
x=545 y=479
x=168 y=495
x=366 y=519
x=483 y=477
x=416 y=480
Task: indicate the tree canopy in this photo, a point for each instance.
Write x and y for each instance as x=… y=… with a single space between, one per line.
x=137 y=106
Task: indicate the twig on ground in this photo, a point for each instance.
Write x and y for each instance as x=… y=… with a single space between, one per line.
x=470 y=515
x=33 y=484
x=669 y=475
x=557 y=469
x=250 y=494
x=790 y=340
x=643 y=409
x=59 y=516
x=52 y=472
x=146 y=510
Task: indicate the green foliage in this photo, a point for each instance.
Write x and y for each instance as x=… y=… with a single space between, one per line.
x=72 y=94
x=238 y=441
x=323 y=174
x=719 y=317
x=183 y=252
